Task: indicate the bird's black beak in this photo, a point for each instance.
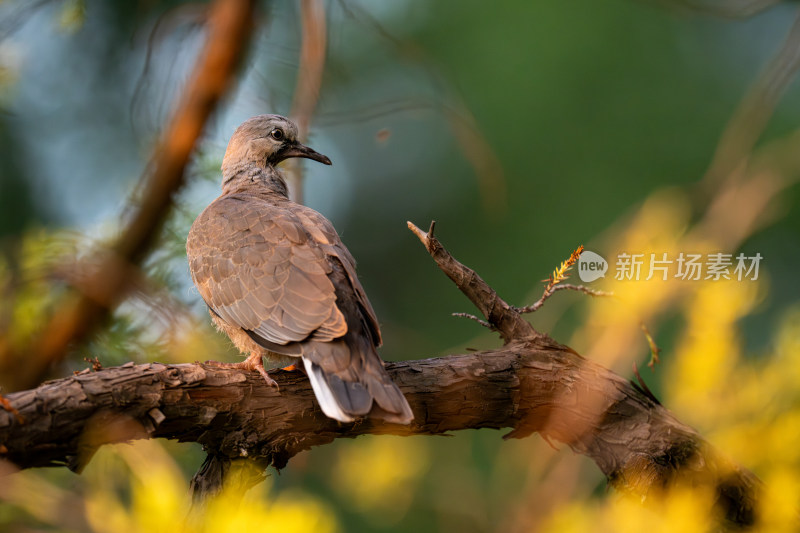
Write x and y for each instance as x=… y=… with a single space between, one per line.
x=295 y=149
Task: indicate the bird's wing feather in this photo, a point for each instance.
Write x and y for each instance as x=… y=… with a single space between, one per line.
x=349 y=370
x=255 y=266
x=323 y=232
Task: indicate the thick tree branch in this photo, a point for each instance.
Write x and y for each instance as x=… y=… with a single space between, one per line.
x=532 y=384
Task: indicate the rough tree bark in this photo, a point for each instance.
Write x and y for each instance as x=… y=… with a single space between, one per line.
x=531 y=384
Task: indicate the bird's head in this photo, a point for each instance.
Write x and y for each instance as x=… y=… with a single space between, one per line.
x=266 y=140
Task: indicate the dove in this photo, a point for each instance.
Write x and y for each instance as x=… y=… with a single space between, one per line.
x=279 y=282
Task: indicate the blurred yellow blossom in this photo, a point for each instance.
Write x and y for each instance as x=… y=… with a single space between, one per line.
x=379 y=473
x=138 y=488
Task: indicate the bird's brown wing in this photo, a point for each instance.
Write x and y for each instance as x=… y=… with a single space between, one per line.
x=350 y=368
x=325 y=235
x=255 y=266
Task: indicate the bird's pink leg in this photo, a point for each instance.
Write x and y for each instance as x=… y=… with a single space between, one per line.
x=254 y=362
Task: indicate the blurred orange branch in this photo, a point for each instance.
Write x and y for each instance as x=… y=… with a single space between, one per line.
x=312 y=64
x=229 y=28
x=471 y=140
x=734 y=9
x=754 y=111
x=309 y=78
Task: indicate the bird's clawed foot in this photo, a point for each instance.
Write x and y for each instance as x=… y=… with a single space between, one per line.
x=254 y=362
x=6 y=405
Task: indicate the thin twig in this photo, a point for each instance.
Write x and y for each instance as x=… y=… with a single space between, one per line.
x=473 y=143
x=548 y=293
x=583 y=289
x=655 y=351
x=473 y=317
x=554 y=284
x=549 y=441
x=642 y=386
x=498 y=313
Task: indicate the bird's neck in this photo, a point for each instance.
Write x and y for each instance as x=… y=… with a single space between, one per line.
x=252 y=177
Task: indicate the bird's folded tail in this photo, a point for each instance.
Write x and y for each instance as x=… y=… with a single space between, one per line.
x=345 y=395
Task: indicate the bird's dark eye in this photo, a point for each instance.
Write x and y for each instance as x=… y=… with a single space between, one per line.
x=277 y=134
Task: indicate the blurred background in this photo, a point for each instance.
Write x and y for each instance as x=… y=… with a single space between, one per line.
x=524 y=129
